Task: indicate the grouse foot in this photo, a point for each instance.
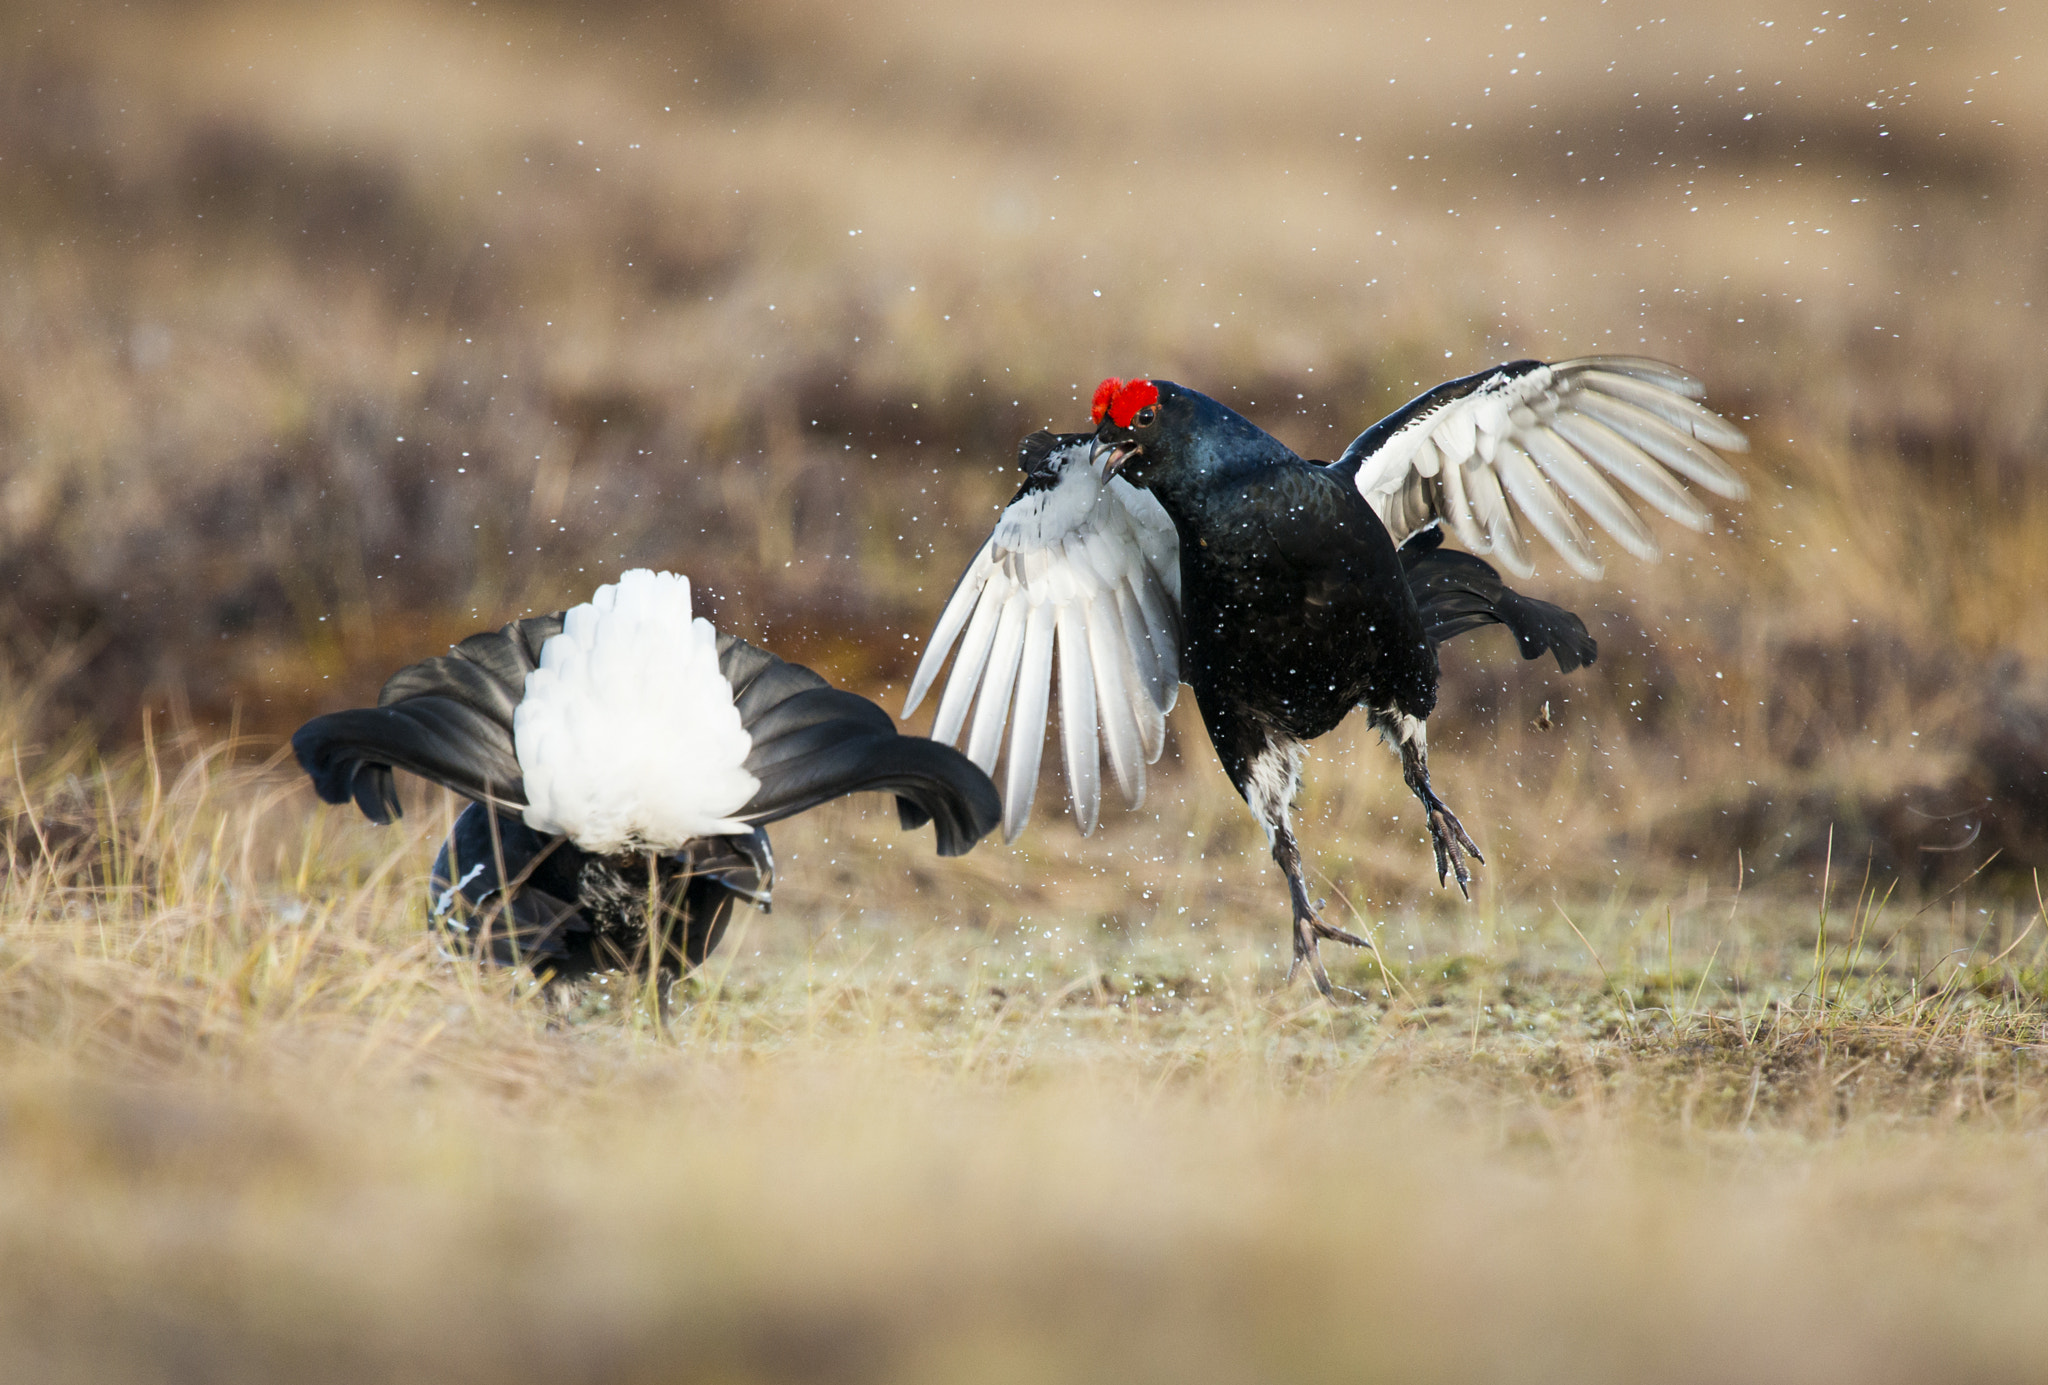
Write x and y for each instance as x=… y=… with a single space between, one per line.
x=1309 y=929
x=1447 y=836
x=1451 y=842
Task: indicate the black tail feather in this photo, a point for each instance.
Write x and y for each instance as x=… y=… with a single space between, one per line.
x=1458 y=592
x=487 y=671
x=449 y=719
x=351 y=754
x=814 y=743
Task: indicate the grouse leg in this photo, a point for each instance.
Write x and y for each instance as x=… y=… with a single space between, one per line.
x=1446 y=834
x=1308 y=928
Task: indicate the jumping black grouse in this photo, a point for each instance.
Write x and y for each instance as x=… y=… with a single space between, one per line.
x=1179 y=540
x=620 y=741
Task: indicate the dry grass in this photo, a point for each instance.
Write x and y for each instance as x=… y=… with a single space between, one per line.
x=934 y=1121
x=328 y=335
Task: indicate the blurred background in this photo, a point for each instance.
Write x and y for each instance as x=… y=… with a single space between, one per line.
x=331 y=334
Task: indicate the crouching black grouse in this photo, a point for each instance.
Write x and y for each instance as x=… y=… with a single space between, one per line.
x=622 y=760
x=1181 y=541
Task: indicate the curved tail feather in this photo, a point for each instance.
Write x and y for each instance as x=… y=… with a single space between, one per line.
x=1458 y=592
x=488 y=670
x=449 y=719
x=814 y=743
x=351 y=754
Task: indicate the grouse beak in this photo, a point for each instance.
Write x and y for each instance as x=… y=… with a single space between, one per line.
x=1108 y=458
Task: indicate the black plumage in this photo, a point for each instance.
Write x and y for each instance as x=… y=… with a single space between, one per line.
x=1180 y=542
x=1296 y=610
x=1456 y=592
x=571 y=911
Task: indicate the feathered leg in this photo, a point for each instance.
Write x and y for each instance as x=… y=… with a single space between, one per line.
x=1271 y=778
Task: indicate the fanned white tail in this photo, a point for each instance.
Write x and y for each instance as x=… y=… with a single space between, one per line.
x=627 y=736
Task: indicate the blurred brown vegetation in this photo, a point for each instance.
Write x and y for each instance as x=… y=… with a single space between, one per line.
x=330 y=335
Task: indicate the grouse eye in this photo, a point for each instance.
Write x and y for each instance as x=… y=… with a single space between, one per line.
x=1145 y=417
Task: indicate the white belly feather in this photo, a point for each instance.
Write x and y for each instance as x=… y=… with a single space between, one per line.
x=627 y=736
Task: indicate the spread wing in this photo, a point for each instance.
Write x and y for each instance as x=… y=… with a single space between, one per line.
x=1532 y=440
x=1091 y=570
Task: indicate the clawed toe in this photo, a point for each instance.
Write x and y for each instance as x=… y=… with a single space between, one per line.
x=1305 y=951
x=1338 y=935
x=1448 y=839
x=1452 y=844
x=1308 y=932
x=1308 y=928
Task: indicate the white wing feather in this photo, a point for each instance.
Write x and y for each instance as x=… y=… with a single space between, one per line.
x=1083 y=576
x=1536 y=444
x=1077 y=728
x=1085 y=570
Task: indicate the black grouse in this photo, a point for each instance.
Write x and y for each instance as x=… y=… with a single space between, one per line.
x=622 y=761
x=1180 y=541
